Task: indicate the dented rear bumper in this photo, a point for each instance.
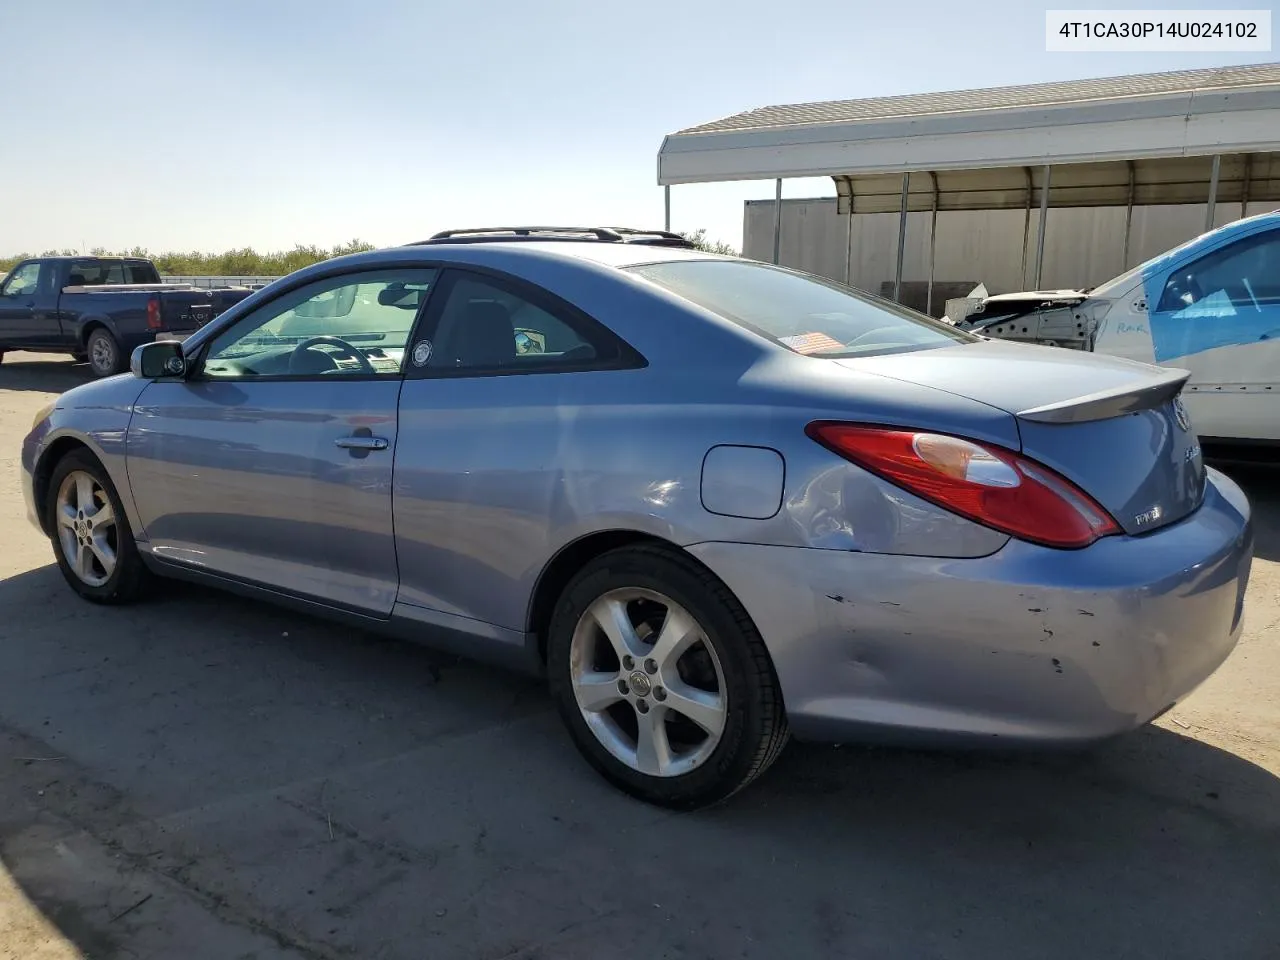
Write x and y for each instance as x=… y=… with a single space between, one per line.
x=1029 y=644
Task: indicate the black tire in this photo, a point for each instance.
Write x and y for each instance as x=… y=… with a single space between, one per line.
x=130 y=577
x=755 y=724
x=104 y=354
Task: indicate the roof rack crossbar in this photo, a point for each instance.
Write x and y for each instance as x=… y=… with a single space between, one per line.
x=601 y=234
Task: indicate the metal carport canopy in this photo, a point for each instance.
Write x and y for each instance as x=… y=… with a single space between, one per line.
x=1193 y=113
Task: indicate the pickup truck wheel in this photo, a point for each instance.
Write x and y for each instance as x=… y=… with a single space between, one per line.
x=92 y=540
x=104 y=353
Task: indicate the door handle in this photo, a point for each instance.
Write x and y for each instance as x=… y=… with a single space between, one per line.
x=362 y=443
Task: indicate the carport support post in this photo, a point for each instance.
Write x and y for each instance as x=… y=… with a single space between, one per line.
x=1244 y=190
x=777 y=221
x=933 y=245
x=1213 y=192
x=666 y=199
x=1044 y=215
x=902 y=240
x=848 y=240
x=1026 y=227
x=1128 y=219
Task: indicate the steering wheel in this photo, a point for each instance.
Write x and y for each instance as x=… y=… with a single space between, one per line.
x=295 y=358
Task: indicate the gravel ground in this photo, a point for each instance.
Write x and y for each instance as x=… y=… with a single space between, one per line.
x=205 y=777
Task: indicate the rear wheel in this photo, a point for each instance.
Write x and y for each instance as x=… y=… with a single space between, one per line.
x=662 y=679
x=104 y=353
x=91 y=537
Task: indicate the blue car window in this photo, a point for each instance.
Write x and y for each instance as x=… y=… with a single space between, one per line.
x=1228 y=297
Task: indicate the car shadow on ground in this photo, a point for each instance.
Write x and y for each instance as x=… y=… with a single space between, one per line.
x=42 y=373
x=1261 y=482
x=350 y=795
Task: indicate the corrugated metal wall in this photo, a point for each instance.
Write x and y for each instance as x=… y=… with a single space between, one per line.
x=1083 y=246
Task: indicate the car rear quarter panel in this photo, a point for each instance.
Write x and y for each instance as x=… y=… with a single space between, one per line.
x=495 y=475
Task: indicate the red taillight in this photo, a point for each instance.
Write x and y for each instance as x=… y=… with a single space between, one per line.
x=990 y=485
x=153 y=313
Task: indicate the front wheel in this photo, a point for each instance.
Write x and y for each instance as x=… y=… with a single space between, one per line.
x=105 y=357
x=663 y=680
x=92 y=541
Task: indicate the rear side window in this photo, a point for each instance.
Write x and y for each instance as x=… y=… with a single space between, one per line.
x=488 y=326
x=801 y=312
x=96 y=273
x=140 y=273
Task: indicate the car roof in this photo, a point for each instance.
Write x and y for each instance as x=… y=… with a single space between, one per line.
x=607 y=254
x=81 y=258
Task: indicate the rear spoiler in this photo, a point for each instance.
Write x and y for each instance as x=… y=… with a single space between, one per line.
x=1160 y=388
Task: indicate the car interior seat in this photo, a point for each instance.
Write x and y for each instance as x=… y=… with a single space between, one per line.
x=485 y=337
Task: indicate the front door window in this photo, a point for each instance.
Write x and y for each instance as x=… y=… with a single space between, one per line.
x=352 y=326
x=1229 y=297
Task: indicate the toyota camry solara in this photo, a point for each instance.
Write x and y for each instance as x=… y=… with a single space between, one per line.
x=712 y=500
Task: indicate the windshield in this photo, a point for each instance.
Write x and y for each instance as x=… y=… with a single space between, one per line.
x=804 y=313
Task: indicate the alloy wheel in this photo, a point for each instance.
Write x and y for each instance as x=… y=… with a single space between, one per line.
x=87 y=529
x=648 y=682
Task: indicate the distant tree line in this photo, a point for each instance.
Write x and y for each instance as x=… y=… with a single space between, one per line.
x=699 y=239
x=247 y=262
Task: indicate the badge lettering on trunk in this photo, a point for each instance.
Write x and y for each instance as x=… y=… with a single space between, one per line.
x=1151 y=516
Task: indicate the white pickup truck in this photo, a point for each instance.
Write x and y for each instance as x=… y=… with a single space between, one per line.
x=1210 y=306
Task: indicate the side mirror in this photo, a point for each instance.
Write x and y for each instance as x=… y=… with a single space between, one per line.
x=155 y=361
x=530 y=341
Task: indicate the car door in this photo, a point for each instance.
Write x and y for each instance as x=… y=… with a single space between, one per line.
x=272 y=462
x=502 y=382
x=20 y=303
x=1219 y=317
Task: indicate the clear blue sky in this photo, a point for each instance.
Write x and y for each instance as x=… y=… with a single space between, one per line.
x=211 y=125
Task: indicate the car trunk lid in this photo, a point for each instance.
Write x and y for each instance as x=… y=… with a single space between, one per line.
x=1113 y=427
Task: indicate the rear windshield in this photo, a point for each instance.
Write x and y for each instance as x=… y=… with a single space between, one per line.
x=799 y=311
x=96 y=273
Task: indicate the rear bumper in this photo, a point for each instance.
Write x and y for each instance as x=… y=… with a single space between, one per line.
x=1026 y=645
